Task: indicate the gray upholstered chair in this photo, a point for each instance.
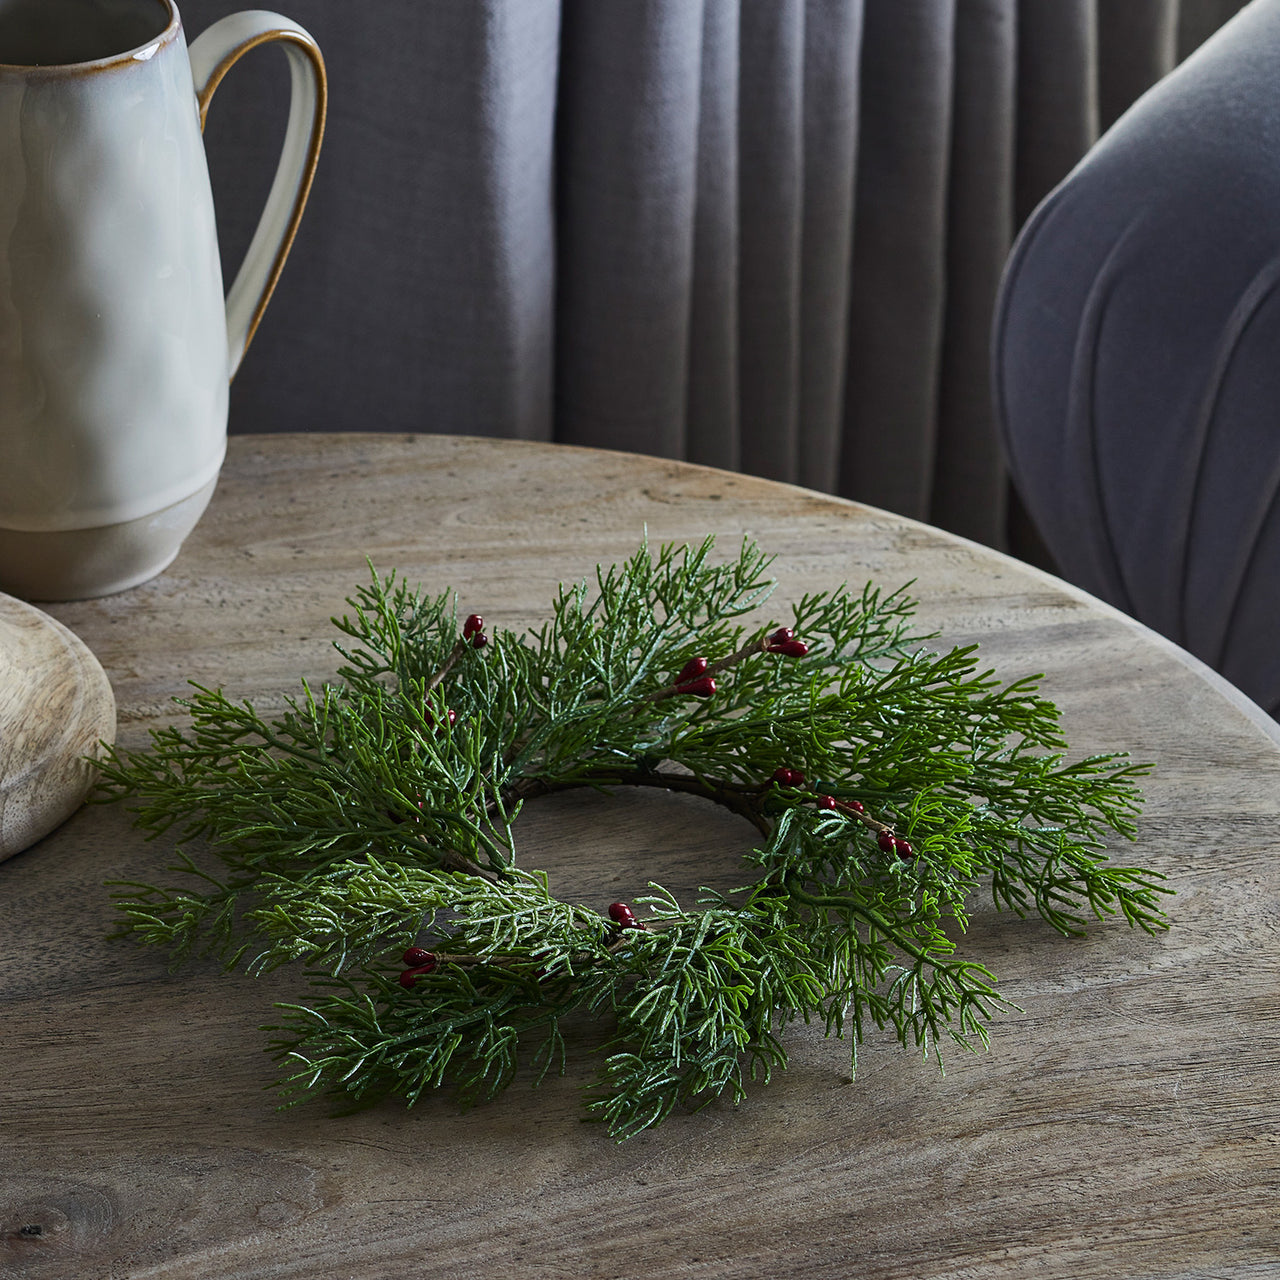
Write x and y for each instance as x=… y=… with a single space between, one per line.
x=1137 y=359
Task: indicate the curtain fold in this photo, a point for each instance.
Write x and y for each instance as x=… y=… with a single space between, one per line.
x=899 y=254
x=1057 y=106
x=1199 y=19
x=760 y=234
x=969 y=492
x=771 y=201
x=1137 y=44
x=712 y=416
x=630 y=81
x=832 y=60
x=419 y=295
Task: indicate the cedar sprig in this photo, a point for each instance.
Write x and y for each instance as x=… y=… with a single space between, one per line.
x=365 y=835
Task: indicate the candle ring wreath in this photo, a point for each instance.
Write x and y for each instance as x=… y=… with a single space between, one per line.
x=366 y=835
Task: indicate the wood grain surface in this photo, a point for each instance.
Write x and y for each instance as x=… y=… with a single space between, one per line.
x=55 y=707
x=1126 y=1124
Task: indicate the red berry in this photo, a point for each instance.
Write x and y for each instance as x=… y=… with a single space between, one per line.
x=410 y=976
x=827 y=802
x=416 y=956
x=450 y=715
x=857 y=806
x=692 y=670
x=702 y=688
x=479 y=640
x=782 y=636
x=785 y=777
x=790 y=648
x=623 y=916
x=886 y=841
x=473 y=624
x=903 y=848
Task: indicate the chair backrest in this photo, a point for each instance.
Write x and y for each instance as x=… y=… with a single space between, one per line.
x=1137 y=359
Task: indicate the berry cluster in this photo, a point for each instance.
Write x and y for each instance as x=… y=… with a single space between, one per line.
x=697 y=678
x=473 y=637
x=693 y=679
x=888 y=841
x=420 y=962
x=473 y=630
x=450 y=715
x=784 y=641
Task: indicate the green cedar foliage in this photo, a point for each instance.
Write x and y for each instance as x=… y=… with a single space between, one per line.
x=365 y=818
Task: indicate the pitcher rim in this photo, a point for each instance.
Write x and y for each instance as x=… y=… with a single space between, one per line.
x=154 y=45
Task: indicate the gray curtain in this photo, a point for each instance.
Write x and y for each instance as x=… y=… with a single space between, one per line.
x=760 y=234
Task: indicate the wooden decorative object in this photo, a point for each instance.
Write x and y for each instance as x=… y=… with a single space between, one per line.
x=56 y=705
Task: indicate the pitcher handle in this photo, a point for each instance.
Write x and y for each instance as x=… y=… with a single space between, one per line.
x=212 y=55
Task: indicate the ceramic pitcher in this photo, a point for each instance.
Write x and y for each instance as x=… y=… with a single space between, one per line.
x=116 y=342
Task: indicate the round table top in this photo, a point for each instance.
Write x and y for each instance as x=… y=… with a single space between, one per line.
x=1124 y=1124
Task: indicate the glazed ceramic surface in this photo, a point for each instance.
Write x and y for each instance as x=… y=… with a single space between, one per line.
x=116 y=345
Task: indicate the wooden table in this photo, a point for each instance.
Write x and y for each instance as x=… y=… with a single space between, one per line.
x=1127 y=1124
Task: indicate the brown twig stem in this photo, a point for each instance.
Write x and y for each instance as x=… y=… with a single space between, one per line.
x=863 y=816
x=740 y=800
x=459 y=648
